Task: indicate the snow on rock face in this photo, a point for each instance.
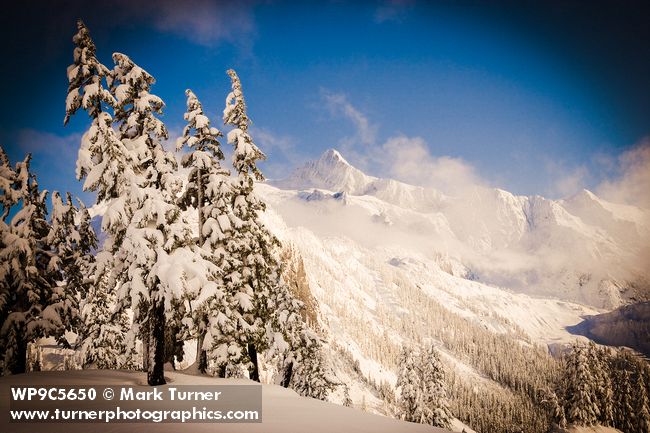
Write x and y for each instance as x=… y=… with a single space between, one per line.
x=355 y=263
x=331 y=171
x=581 y=249
x=626 y=326
x=624 y=223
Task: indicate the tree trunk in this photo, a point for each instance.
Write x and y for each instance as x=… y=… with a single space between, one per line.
x=201 y=355
x=156 y=370
x=253 y=373
x=19 y=364
x=199 y=198
x=286 y=377
x=144 y=333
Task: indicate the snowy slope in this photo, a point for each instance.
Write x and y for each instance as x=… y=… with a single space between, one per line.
x=358 y=265
x=594 y=429
x=582 y=249
x=282 y=409
x=626 y=326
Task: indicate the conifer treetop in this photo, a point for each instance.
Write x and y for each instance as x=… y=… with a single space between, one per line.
x=9 y=186
x=246 y=152
x=85 y=76
x=205 y=137
x=235 y=111
x=135 y=105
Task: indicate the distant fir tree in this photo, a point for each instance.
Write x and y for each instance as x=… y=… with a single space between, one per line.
x=421 y=382
x=209 y=191
x=600 y=367
x=554 y=404
x=347 y=401
x=581 y=399
x=302 y=362
x=433 y=404
x=624 y=409
x=641 y=406
x=409 y=383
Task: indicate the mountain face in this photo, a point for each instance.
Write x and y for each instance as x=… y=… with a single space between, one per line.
x=492 y=279
x=626 y=326
x=582 y=249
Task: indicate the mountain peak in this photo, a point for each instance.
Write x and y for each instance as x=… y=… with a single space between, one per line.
x=333 y=157
x=331 y=171
x=586 y=194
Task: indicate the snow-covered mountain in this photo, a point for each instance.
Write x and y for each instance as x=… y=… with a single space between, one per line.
x=581 y=249
x=489 y=277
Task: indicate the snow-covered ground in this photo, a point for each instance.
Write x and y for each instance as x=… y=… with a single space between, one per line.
x=283 y=410
x=594 y=429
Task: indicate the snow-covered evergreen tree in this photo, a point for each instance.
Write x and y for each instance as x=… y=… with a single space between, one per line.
x=409 y=384
x=104 y=342
x=347 y=401
x=251 y=267
x=71 y=240
x=28 y=297
x=422 y=389
x=624 y=409
x=266 y=312
x=556 y=408
x=433 y=405
x=156 y=251
x=209 y=191
x=85 y=76
x=303 y=365
x=641 y=404
x=600 y=371
x=581 y=399
x=10 y=186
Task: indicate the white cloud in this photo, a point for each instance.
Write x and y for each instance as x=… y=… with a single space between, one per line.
x=408 y=159
x=281 y=150
x=204 y=22
x=400 y=157
x=272 y=142
x=58 y=150
x=339 y=105
x=565 y=181
x=632 y=186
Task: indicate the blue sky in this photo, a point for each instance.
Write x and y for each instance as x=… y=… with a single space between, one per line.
x=536 y=99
